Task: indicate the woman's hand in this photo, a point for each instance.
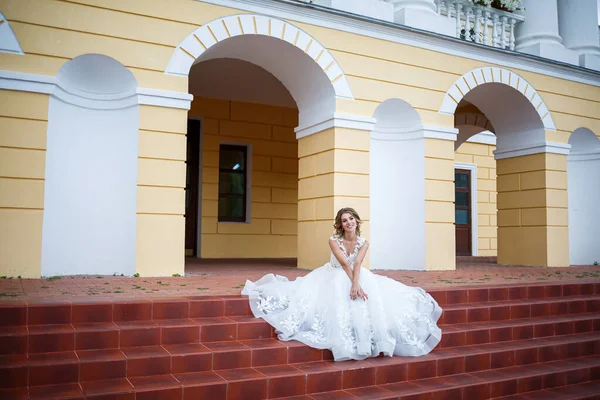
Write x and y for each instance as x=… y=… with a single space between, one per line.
x=357 y=292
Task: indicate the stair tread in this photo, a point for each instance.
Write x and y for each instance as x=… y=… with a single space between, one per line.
x=137 y=352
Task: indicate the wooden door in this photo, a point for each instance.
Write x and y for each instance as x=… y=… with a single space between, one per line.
x=192 y=184
x=462 y=199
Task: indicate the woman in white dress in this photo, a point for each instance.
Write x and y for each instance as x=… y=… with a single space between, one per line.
x=346 y=308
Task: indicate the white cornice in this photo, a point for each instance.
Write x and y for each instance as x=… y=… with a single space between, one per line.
x=329 y=18
x=358 y=122
x=19 y=81
x=416 y=132
x=584 y=156
x=534 y=148
x=485 y=137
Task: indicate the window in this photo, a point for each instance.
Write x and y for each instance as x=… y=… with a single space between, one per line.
x=233 y=177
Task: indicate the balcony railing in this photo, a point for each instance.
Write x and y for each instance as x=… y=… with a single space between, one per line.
x=476 y=23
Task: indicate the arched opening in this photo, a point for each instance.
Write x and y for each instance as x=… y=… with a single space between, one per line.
x=256 y=81
x=90 y=197
x=500 y=118
x=397 y=187
x=583 y=171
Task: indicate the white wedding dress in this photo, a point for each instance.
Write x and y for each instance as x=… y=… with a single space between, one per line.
x=317 y=310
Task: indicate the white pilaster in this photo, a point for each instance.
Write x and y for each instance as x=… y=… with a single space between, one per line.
x=422 y=14
x=539 y=34
x=578 y=26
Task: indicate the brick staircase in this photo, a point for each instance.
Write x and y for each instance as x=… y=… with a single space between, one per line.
x=522 y=342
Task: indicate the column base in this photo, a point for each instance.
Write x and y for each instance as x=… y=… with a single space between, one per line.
x=590 y=61
x=425 y=20
x=552 y=51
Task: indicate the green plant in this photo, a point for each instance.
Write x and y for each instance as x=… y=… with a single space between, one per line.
x=136 y=275
x=54 y=278
x=595 y=263
x=176 y=275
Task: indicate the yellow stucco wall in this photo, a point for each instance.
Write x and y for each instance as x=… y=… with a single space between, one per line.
x=142 y=35
x=273 y=228
x=482 y=155
x=23 y=122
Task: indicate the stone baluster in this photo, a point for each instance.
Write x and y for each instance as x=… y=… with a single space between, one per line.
x=512 y=33
x=504 y=20
x=496 y=31
x=467 y=23
x=486 y=33
x=478 y=13
x=458 y=9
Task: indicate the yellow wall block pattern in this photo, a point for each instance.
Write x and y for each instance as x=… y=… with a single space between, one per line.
x=274 y=178
x=534 y=209
x=22 y=163
x=21 y=193
x=163 y=119
x=249 y=246
x=153 y=172
x=439 y=246
x=23 y=133
x=21 y=244
x=162 y=145
x=160 y=245
x=160 y=200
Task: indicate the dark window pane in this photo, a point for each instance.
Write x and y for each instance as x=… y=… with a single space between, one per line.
x=462 y=217
x=461 y=180
x=232 y=158
x=461 y=199
x=232 y=183
x=231 y=207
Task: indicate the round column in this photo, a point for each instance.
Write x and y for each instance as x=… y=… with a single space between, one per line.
x=578 y=25
x=539 y=33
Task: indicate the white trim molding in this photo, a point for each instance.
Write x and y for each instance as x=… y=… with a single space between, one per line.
x=8 y=39
x=535 y=148
x=417 y=132
x=35 y=83
x=481 y=76
x=474 y=210
x=218 y=30
x=440 y=132
x=338 y=120
x=485 y=137
x=393 y=32
x=584 y=156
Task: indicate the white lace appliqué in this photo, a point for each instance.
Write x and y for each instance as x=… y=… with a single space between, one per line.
x=270 y=304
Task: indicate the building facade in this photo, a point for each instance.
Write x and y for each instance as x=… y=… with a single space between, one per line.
x=136 y=133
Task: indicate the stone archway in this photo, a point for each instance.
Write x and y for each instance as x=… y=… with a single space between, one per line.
x=531 y=172
x=315 y=81
x=277 y=46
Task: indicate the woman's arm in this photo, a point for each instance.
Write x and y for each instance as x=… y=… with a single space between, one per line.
x=337 y=252
x=357 y=266
x=359 y=259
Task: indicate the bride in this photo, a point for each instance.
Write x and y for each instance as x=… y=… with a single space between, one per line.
x=346 y=308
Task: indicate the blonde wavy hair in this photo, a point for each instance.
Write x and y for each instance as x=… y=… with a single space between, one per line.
x=339 y=230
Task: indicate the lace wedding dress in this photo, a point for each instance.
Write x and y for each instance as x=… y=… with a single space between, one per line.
x=317 y=310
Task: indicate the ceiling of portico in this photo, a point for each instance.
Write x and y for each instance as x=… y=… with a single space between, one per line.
x=237 y=80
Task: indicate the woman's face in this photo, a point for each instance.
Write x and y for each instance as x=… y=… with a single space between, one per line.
x=348 y=222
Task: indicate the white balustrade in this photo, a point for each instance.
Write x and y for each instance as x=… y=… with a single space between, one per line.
x=480 y=24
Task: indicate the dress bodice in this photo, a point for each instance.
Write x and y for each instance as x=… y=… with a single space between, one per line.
x=350 y=257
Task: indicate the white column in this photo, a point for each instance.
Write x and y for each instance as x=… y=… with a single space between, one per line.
x=538 y=34
x=421 y=14
x=578 y=26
